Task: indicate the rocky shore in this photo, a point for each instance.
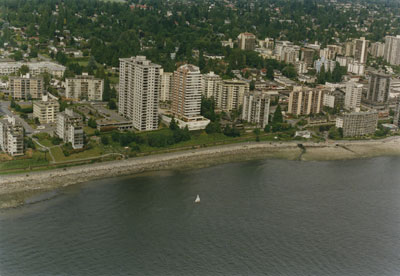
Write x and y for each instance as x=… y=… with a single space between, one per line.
x=34 y=182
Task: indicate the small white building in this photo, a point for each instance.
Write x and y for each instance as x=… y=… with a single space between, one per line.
x=303 y=134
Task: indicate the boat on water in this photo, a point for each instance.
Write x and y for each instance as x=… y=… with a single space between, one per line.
x=197 y=200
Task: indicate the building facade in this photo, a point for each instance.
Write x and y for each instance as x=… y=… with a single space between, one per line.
x=139 y=90
x=396 y=116
x=35 y=68
x=11 y=137
x=361 y=50
x=307 y=55
x=84 y=87
x=186 y=92
x=46 y=110
x=247 y=41
x=305 y=101
x=352 y=100
x=210 y=84
x=392 y=50
x=230 y=94
x=377 y=49
x=70 y=129
x=256 y=108
x=378 y=90
x=329 y=65
x=358 y=123
x=166 y=85
x=26 y=87
x=356 y=68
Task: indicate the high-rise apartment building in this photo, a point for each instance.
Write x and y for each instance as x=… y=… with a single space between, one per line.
x=378 y=90
x=247 y=41
x=358 y=123
x=46 y=110
x=290 y=54
x=377 y=49
x=267 y=43
x=69 y=128
x=186 y=92
x=307 y=55
x=361 y=50
x=139 y=90
x=305 y=101
x=230 y=94
x=392 y=50
x=211 y=84
x=166 y=85
x=352 y=99
x=349 y=48
x=26 y=87
x=396 y=116
x=256 y=108
x=84 y=87
x=11 y=137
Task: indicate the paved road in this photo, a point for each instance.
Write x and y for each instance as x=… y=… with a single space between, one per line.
x=4 y=109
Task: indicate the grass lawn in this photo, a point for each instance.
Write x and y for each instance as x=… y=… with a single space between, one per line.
x=44 y=139
x=89 y=130
x=93 y=152
x=36 y=160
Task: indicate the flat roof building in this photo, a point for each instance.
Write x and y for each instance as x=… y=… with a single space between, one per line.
x=230 y=94
x=256 y=108
x=26 y=87
x=84 y=87
x=186 y=92
x=139 y=91
x=379 y=88
x=358 y=123
x=69 y=128
x=35 y=68
x=11 y=136
x=247 y=41
x=305 y=101
x=46 y=110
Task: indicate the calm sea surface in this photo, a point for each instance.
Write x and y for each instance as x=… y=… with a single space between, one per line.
x=269 y=217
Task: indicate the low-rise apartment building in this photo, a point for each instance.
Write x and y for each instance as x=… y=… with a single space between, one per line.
x=84 y=87
x=35 y=68
x=358 y=123
x=11 y=137
x=26 y=87
x=69 y=128
x=46 y=110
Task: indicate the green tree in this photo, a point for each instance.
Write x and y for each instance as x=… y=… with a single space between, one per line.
x=173 y=125
x=104 y=140
x=23 y=70
x=277 y=118
x=92 y=123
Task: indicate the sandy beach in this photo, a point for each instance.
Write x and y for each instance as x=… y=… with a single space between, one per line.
x=33 y=182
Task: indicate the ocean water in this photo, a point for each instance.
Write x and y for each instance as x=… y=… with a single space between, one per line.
x=270 y=217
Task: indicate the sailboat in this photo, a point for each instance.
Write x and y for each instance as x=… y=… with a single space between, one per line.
x=197 y=200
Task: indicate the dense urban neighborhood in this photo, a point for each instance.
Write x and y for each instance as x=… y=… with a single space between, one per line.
x=87 y=81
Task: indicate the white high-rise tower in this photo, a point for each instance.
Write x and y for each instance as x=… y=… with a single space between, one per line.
x=139 y=89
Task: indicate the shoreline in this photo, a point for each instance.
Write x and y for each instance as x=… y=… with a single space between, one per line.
x=15 y=188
